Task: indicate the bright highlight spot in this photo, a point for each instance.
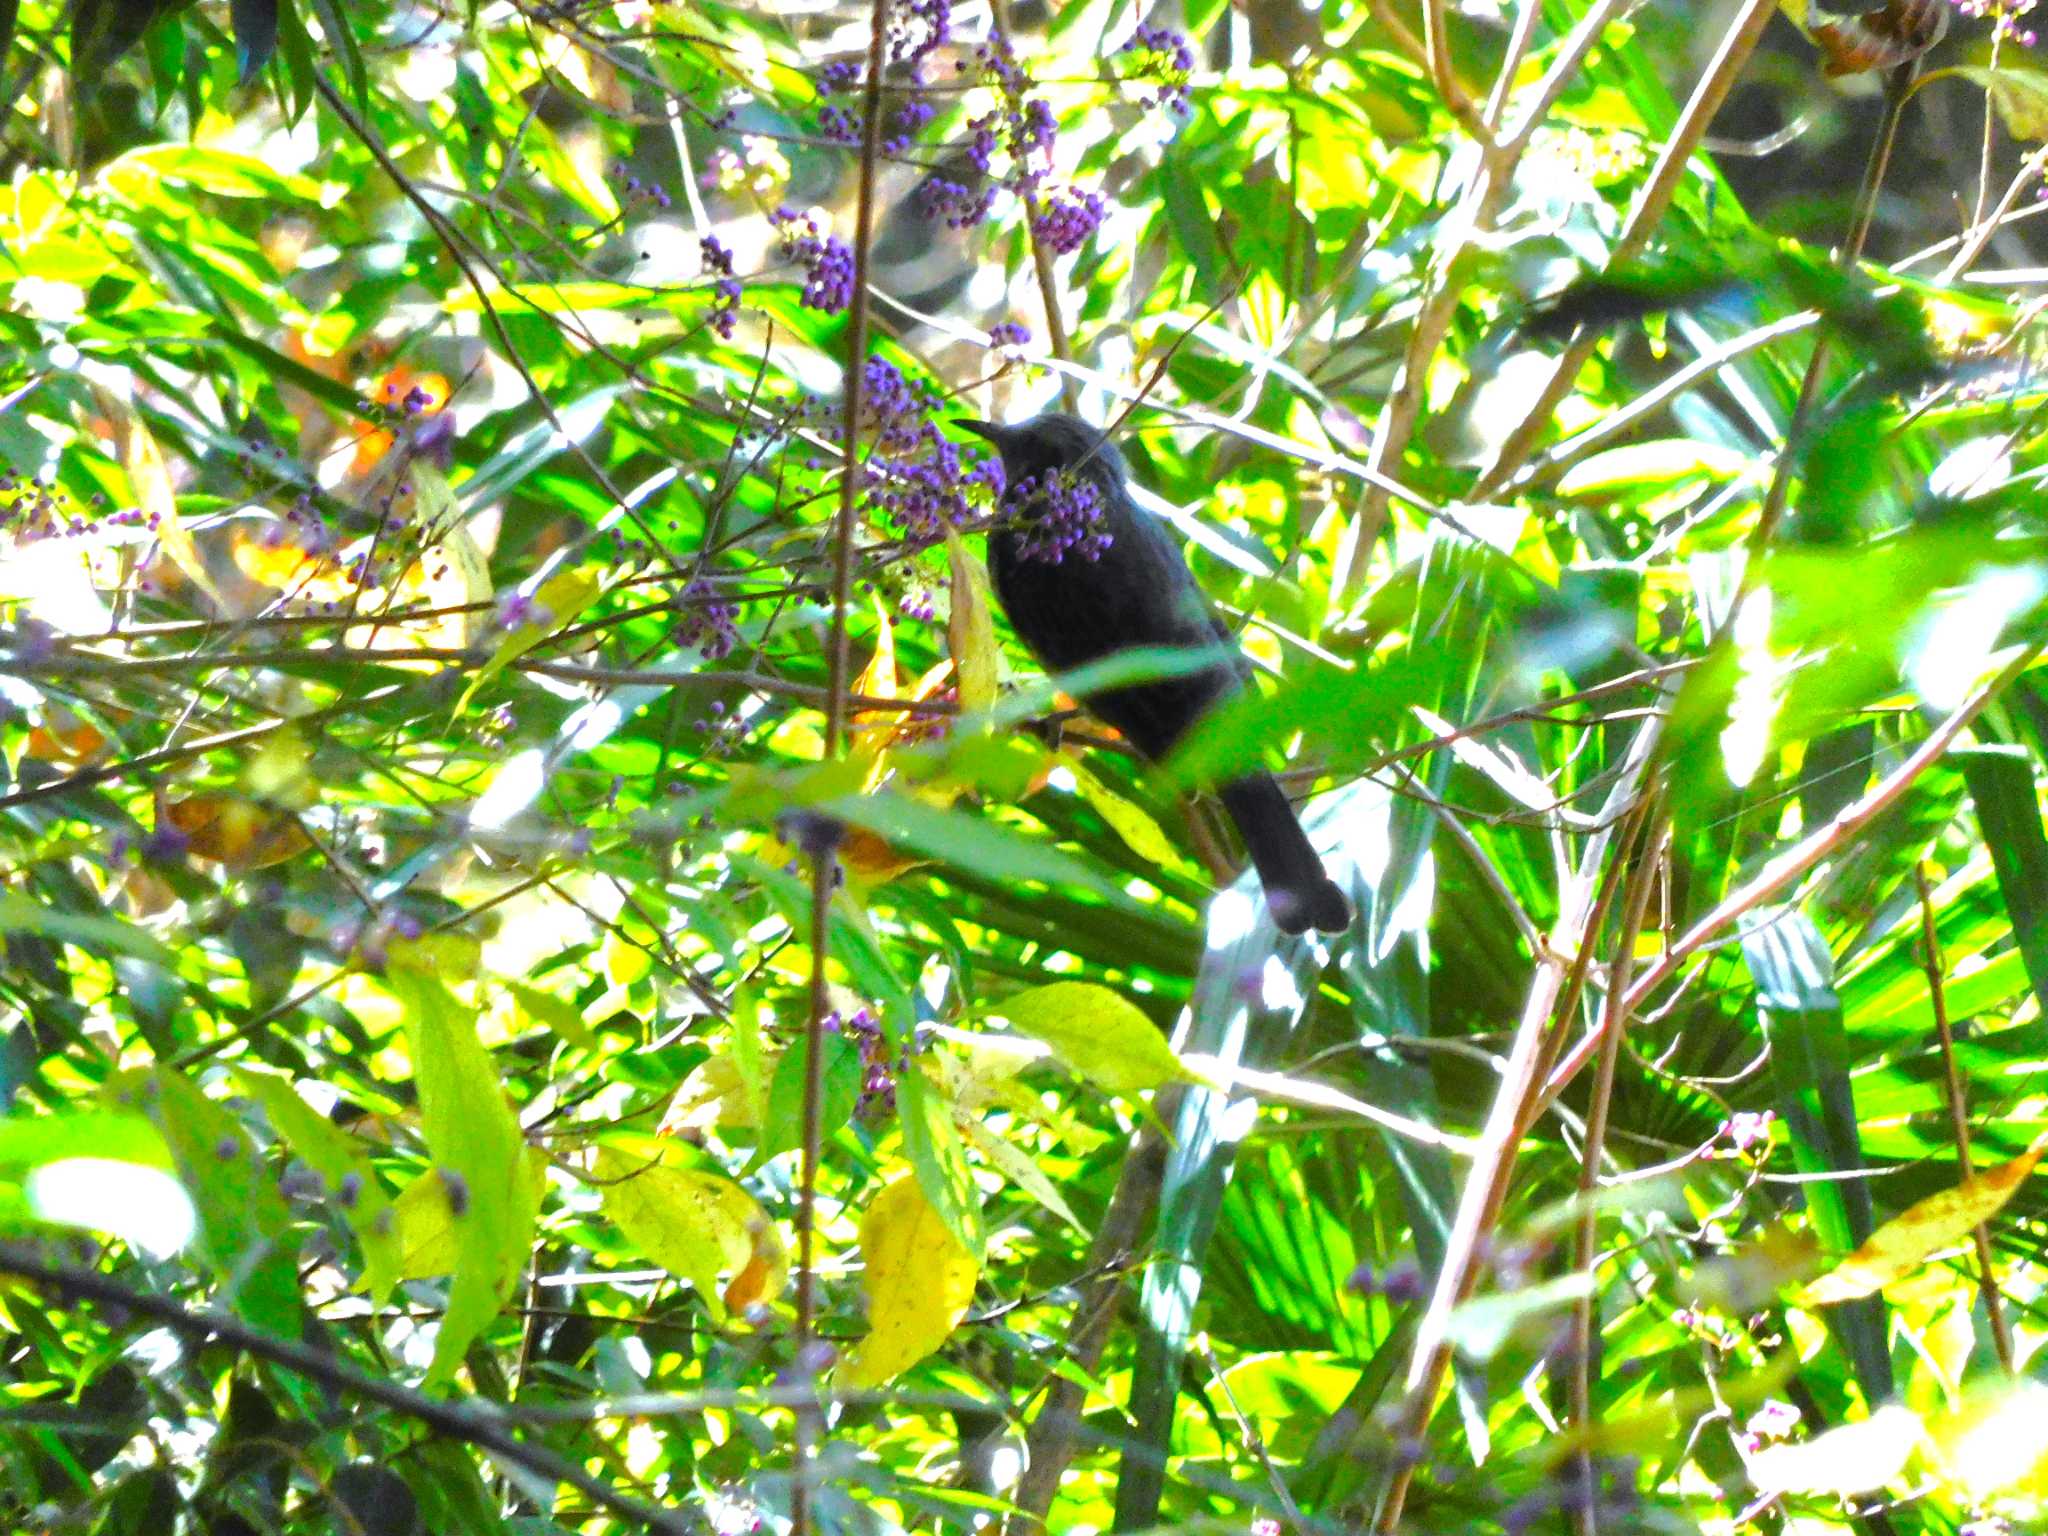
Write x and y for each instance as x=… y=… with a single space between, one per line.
x=517 y=786
x=140 y=1205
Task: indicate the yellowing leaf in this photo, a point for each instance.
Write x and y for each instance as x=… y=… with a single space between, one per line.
x=558 y=602
x=64 y=737
x=970 y=632
x=695 y=1225
x=1916 y=1234
x=715 y=1095
x=918 y=1281
x=1098 y=1033
x=2020 y=96
x=1130 y=822
x=761 y=1278
x=1853 y=1458
x=425 y=1221
x=1019 y=1167
x=151 y=482
x=235 y=830
x=451 y=572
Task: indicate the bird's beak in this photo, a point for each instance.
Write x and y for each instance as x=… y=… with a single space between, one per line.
x=987 y=429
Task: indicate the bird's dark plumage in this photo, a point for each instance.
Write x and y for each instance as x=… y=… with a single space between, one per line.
x=1138 y=591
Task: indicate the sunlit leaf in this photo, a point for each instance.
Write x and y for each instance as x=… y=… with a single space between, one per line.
x=1099 y=1034
x=918 y=1281
x=1923 y=1230
x=695 y=1224
x=1851 y=1458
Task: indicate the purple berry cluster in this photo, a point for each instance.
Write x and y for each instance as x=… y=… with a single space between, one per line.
x=1021 y=126
x=706 y=620
x=1009 y=335
x=1165 y=60
x=1401 y=1282
x=2007 y=16
x=1060 y=516
x=879 y=1065
x=638 y=191
x=518 y=610
x=725 y=308
x=914 y=477
x=1066 y=218
x=916 y=30
x=827 y=260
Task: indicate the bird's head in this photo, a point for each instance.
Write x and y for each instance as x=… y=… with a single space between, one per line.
x=1054 y=441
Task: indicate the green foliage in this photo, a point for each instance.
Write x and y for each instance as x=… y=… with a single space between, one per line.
x=447 y=661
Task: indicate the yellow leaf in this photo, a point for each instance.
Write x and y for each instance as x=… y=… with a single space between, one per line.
x=235 y=830
x=451 y=572
x=712 y=1097
x=873 y=729
x=918 y=1281
x=695 y=1225
x=271 y=556
x=1853 y=1458
x=970 y=632
x=1098 y=1033
x=558 y=602
x=151 y=482
x=1920 y=1231
x=1130 y=822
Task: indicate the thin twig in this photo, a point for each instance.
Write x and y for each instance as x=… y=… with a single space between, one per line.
x=1642 y=882
x=471 y=1419
x=1955 y=1088
x=1737 y=43
x=825 y=860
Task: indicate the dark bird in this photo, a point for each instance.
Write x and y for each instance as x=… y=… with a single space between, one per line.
x=1083 y=574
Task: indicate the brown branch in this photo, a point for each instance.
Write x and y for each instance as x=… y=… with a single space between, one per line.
x=1955 y=1090
x=1737 y=43
x=1054 y=1436
x=825 y=861
x=473 y=1420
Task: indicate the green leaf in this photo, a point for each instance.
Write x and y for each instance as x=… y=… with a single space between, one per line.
x=935 y=1153
x=94 y=935
x=2002 y=788
x=840 y=1079
x=1099 y=1034
x=971 y=842
x=477 y=1149
x=245 y=1230
x=1810 y=1059
x=344 y=1164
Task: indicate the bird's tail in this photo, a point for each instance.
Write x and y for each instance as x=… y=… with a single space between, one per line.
x=1298 y=889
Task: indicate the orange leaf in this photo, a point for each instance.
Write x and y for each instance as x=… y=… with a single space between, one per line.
x=64 y=738
x=234 y=830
